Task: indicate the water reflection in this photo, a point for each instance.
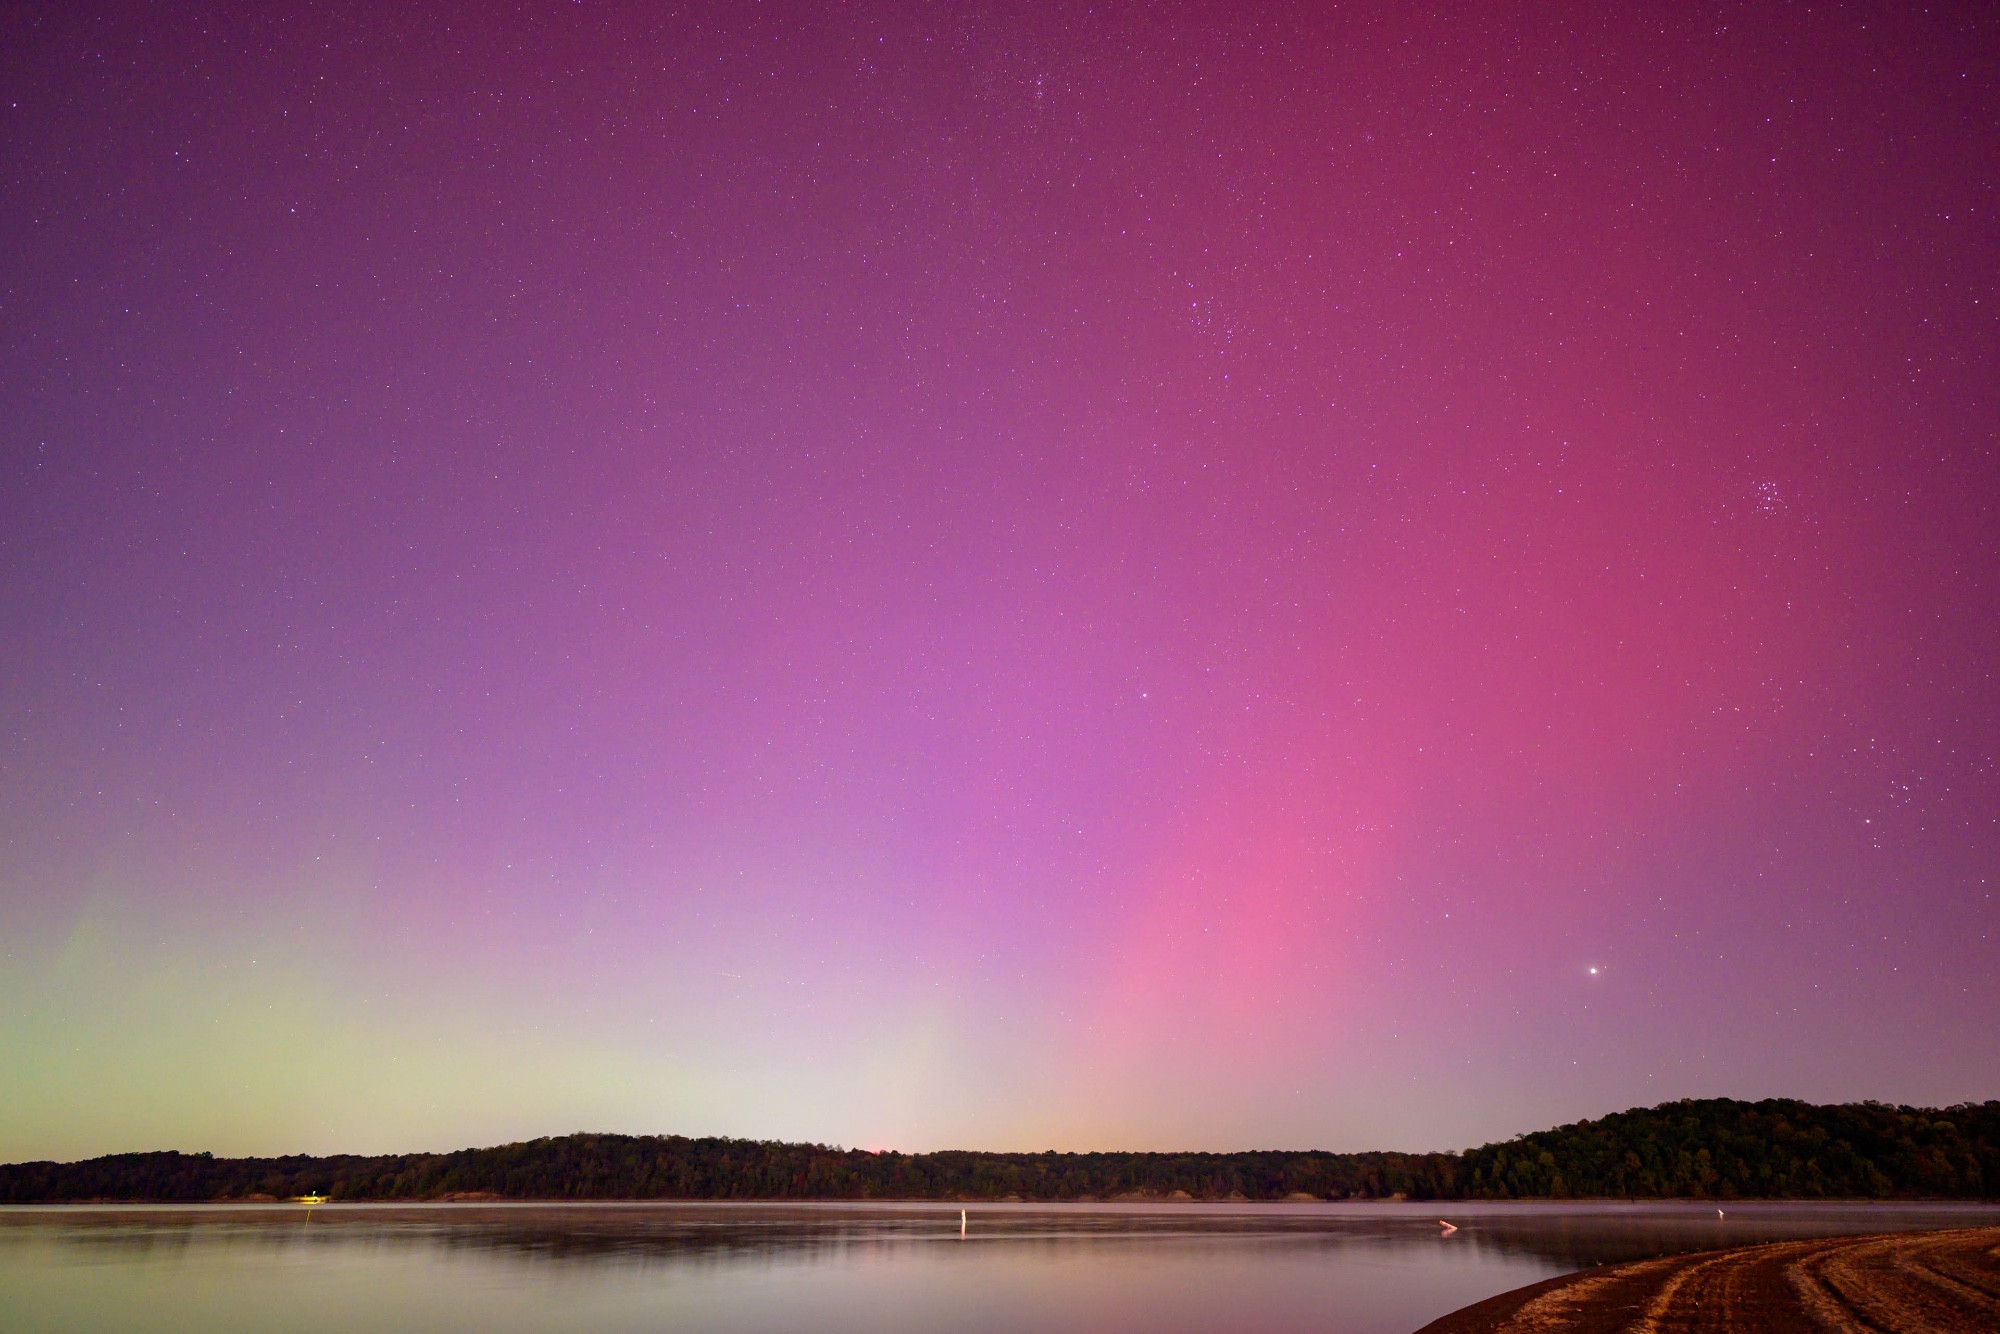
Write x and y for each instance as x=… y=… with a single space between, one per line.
x=1373 y=1269
x=1567 y=1235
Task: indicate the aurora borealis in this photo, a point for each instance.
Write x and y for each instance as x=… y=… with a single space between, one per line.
x=1012 y=577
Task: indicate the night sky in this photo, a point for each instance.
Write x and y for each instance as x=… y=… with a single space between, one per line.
x=1011 y=577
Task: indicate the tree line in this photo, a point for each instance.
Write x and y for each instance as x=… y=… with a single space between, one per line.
x=1705 y=1149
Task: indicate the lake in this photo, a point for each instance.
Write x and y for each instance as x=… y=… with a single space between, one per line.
x=834 y=1268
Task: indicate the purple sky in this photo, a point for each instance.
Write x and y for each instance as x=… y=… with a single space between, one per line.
x=1005 y=577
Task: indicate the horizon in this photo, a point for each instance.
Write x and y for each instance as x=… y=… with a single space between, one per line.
x=834 y=1147
x=1131 y=576
x=917 y=1153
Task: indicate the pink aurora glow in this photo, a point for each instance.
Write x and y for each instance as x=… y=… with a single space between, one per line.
x=1140 y=579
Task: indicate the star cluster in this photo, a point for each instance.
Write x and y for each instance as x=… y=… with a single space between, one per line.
x=1144 y=577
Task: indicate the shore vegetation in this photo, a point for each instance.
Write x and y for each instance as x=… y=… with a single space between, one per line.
x=1715 y=1148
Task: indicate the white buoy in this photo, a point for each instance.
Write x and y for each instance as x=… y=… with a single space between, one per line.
x=961 y=1224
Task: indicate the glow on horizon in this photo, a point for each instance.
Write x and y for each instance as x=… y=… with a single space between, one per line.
x=1342 y=581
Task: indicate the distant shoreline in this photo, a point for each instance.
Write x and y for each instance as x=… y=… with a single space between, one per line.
x=1418 y=1208
x=1896 y=1283
x=1713 y=1149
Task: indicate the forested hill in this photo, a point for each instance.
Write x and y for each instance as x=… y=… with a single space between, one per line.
x=1716 y=1148
x=1721 y=1148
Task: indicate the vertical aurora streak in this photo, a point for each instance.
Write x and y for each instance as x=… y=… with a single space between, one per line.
x=1016 y=577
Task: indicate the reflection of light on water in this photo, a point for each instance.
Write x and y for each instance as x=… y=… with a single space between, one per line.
x=721 y=1269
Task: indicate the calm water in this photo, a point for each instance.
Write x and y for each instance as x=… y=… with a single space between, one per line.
x=706 y=1269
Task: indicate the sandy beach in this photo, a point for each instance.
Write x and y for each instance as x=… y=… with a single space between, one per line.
x=1926 y=1283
